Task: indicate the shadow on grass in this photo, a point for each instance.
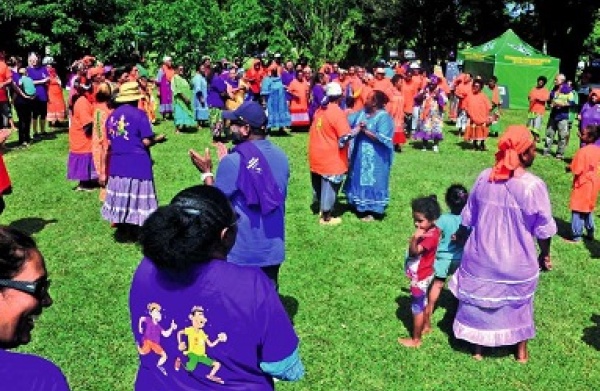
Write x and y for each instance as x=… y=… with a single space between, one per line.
x=591 y=335
x=291 y=306
x=31 y=225
x=564 y=231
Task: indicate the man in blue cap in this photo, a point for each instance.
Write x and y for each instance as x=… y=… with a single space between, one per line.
x=254 y=175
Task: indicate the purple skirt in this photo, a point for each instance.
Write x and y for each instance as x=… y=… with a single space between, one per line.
x=129 y=200
x=80 y=167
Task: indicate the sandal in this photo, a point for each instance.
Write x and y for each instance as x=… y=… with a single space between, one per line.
x=545 y=263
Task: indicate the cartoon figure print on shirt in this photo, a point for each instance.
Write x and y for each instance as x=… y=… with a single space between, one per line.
x=152 y=331
x=119 y=128
x=195 y=348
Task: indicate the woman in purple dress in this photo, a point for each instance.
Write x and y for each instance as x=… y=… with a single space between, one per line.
x=130 y=193
x=200 y=322
x=508 y=211
x=165 y=93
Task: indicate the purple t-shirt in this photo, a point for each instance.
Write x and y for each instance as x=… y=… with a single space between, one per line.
x=126 y=127
x=19 y=371
x=215 y=89
x=261 y=239
x=39 y=73
x=590 y=115
x=216 y=302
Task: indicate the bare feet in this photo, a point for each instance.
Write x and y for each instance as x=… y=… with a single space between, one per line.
x=216 y=379
x=426 y=329
x=478 y=353
x=409 y=342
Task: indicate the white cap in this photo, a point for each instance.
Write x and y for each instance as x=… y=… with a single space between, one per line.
x=333 y=89
x=48 y=60
x=414 y=65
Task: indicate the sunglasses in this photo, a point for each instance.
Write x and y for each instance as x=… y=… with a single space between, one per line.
x=38 y=289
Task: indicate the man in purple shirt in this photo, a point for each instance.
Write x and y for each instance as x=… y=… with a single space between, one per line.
x=39 y=74
x=254 y=176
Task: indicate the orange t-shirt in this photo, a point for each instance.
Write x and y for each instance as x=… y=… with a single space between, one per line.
x=586 y=180
x=462 y=91
x=299 y=90
x=325 y=157
x=361 y=97
x=83 y=114
x=5 y=75
x=537 y=100
x=478 y=107
x=384 y=85
x=410 y=87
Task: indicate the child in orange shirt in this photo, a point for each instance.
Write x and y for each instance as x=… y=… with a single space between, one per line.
x=586 y=184
x=538 y=96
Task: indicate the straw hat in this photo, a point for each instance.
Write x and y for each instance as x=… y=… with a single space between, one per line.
x=128 y=92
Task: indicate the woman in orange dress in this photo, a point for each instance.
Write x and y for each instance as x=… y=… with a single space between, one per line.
x=477 y=107
x=56 y=100
x=395 y=108
x=80 y=166
x=102 y=111
x=298 y=89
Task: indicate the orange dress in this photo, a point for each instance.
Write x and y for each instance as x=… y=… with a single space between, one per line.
x=478 y=107
x=100 y=142
x=395 y=108
x=56 y=101
x=586 y=181
x=299 y=103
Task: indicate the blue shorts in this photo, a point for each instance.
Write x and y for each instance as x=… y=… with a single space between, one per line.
x=443 y=268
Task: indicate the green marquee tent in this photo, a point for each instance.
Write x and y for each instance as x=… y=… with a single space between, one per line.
x=514 y=62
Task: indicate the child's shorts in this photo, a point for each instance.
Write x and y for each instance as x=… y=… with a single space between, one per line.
x=444 y=268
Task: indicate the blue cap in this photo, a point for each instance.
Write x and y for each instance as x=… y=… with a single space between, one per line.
x=249 y=112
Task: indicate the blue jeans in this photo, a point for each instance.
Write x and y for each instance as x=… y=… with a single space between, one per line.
x=324 y=191
x=579 y=220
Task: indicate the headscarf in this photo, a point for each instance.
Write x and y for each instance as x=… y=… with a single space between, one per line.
x=516 y=140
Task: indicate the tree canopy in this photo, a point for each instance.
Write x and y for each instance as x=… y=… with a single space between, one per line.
x=316 y=29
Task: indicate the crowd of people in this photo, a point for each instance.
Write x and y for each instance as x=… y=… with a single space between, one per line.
x=215 y=251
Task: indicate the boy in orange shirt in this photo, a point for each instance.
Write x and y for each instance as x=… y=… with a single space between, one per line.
x=538 y=96
x=586 y=184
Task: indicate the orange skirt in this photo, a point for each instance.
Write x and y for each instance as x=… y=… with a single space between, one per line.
x=475 y=132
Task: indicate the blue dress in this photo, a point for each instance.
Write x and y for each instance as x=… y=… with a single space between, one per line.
x=200 y=88
x=278 y=113
x=367 y=185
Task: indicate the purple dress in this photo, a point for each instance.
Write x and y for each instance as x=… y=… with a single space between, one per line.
x=317 y=95
x=166 y=94
x=130 y=193
x=20 y=371
x=216 y=314
x=498 y=274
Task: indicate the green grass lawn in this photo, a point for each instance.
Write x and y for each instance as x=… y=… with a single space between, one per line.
x=343 y=286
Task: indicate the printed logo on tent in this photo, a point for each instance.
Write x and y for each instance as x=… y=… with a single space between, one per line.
x=488 y=46
x=521 y=48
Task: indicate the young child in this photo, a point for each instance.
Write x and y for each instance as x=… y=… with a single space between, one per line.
x=449 y=252
x=431 y=114
x=26 y=83
x=419 y=262
x=586 y=184
x=538 y=96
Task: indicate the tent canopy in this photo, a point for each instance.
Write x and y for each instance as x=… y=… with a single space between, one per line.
x=515 y=63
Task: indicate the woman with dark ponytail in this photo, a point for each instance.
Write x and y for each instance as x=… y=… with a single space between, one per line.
x=199 y=321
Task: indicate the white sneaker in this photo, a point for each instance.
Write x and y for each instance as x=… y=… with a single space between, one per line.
x=435 y=148
x=424 y=149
